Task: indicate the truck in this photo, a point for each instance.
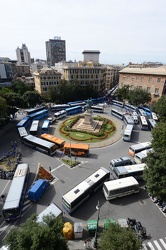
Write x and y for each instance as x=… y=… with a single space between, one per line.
x=37 y=189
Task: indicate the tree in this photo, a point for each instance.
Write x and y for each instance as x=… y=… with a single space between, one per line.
x=155 y=174
x=138 y=96
x=31 y=98
x=20 y=87
x=117 y=237
x=161 y=108
x=14 y=99
x=33 y=235
x=122 y=93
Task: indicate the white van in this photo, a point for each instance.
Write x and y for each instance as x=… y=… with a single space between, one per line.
x=51 y=209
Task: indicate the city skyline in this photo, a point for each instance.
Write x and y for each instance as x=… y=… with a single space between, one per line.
x=123 y=31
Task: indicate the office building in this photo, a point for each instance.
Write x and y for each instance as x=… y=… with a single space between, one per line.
x=55 y=51
x=23 y=55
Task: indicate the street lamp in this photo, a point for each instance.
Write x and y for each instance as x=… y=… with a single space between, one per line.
x=95 y=239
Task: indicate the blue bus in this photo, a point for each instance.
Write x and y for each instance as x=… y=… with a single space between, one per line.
x=24 y=122
x=74 y=110
x=13 y=205
x=39 y=115
x=45 y=126
x=34 y=110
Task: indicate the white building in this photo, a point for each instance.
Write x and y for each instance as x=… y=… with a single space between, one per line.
x=23 y=55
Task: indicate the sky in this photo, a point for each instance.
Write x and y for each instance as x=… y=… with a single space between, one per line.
x=122 y=30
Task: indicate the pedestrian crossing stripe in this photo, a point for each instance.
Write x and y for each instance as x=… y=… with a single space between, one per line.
x=155 y=245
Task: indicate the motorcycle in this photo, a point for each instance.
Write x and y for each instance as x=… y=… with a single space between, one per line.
x=140 y=230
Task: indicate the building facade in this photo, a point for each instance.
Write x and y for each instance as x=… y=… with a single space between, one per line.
x=46 y=78
x=91 y=55
x=55 y=51
x=8 y=72
x=151 y=79
x=23 y=70
x=23 y=55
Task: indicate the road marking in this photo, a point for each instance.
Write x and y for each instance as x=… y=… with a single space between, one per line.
x=151 y=246
x=144 y=247
x=163 y=243
x=157 y=245
x=57 y=167
x=5 y=186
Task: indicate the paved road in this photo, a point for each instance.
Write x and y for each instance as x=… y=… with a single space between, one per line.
x=136 y=206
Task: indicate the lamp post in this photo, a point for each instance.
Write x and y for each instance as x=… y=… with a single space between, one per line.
x=98 y=212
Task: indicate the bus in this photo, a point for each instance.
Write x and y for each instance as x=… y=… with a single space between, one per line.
x=146 y=110
x=119 y=114
x=98 y=109
x=154 y=117
x=39 y=115
x=136 y=148
x=45 y=126
x=24 y=122
x=141 y=112
x=74 y=110
x=143 y=123
x=77 y=103
x=58 y=107
x=13 y=205
x=118 y=103
x=135 y=117
x=120 y=187
x=152 y=123
x=122 y=161
x=135 y=170
x=34 y=127
x=76 y=149
x=34 y=110
x=59 y=143
x=128 y=132
x=22 y=132
x=40 y=144
x=129 y=107
x=80 y=193
x=128 y=119
x=60 y=114
x=141 y=156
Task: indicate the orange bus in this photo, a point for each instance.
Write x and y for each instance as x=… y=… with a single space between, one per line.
x=59 y=143
x=76 y=149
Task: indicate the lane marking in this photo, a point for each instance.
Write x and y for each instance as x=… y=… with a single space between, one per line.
x=163 y=243
x=157 y=244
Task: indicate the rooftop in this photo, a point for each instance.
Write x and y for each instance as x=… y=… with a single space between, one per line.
x=149 y=71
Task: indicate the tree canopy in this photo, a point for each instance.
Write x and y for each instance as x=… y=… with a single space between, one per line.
x=138 y=96
x=118 y=238
x=33 y=235
x=155 y=174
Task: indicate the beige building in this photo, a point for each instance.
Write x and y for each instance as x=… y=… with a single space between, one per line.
x=45 y=78
x=151 y=79
x=112 y=76
x=23 y=70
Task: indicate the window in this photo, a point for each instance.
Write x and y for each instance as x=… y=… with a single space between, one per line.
x=150 y=79
x=148 y=89
x=156 y=90
x=159 y=79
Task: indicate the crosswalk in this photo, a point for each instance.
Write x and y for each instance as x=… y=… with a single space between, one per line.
x=155 y=245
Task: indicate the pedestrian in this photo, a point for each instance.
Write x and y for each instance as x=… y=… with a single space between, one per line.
x=85 y=244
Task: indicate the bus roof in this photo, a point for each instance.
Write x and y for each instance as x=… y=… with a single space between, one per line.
x=39 y=141
x=140 y=145
x=120 y=183
x=130 y=168
x=52 y=138
x=77 y=146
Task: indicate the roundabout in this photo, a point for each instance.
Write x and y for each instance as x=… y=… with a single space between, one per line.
x=117 y=135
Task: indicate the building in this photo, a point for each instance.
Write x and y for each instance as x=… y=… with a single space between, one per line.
x=29 y=81
x=8 y=72
x=86 y=73
x=38 y=65
x=91 y=55
x=23 y=70
x=55 y=51
x=112 y=75
x=46 y=78
x=151 y=79
x=23 y=55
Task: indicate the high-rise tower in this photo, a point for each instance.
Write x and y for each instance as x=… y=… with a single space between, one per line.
x=23 y=55
x=55 y=51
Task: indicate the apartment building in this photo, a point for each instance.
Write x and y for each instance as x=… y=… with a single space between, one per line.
x=151 y=79
x=112 y=75
x=45 y=78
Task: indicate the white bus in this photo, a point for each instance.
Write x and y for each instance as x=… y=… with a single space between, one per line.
x=118 y=103
x=141 y=156
x=34 y=127
x=135 y=170
x=122 y=161
x=80 y=193
x=152 y=123
x=128 y=119
x=129 y=107
x=117 y=113
x=120 y=187
x=98 y=109
x=141 y=112
x=135 y=117
x=60 y=114
x=143 y=123
x=128 y=132
x=134 y=149
x=154 y=117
